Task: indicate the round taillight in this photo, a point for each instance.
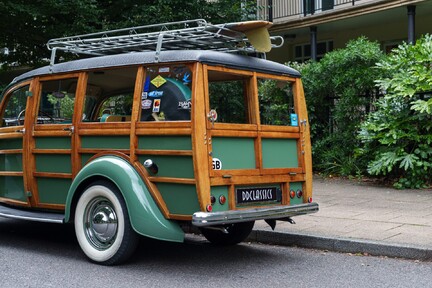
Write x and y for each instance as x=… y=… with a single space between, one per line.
x=292 y=194
x=222 y=199
x=212 y=199
x=209 y=208
x=310 y=199
x=299 y=193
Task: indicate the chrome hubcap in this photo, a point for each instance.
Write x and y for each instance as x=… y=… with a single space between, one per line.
x=100 y=223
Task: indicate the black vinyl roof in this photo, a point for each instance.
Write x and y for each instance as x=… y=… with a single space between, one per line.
x=140 y=58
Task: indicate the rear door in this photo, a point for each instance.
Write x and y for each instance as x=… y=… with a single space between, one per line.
x=254 y=136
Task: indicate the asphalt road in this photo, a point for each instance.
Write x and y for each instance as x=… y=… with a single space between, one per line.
x=47 y=255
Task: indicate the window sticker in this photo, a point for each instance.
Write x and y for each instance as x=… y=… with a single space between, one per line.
x=158 y=81
x=294 y=119
x=146 y=104
x=164 y=70
x=185 y=105
x=156 y=105
x=146 y=88
x=217 y=164
x=186 y=78
x=155 y=94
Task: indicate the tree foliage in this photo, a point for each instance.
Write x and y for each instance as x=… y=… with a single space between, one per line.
x=398 y=134
x=339 y=91
x=26 y=26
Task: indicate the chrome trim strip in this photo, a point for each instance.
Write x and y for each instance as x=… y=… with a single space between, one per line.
x=9 y=212
x=203 y=219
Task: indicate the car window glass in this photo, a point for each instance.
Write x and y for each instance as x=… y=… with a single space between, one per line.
x=15 y=106
x=109 y=95
x=166 y=94
x=228 y=96
x=276 y=102
x=57 y=100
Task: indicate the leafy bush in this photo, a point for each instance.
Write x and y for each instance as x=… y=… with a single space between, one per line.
x=398 y=134
x=339 y=91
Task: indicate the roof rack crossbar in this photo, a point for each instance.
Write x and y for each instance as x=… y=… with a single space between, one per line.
x=189 y=34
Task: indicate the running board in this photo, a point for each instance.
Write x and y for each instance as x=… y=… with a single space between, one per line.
x=9 y=212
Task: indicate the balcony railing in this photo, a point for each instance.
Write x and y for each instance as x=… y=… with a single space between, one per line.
x=272 y=10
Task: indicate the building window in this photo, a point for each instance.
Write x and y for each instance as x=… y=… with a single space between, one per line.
x=312 y=6
x=302 y=52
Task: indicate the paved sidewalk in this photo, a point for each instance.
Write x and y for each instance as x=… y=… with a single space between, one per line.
x=360 y=217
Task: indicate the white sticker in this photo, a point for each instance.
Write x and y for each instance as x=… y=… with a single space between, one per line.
x=146 y=104
x=164 y=70
x=217 y=164
x=156 y=106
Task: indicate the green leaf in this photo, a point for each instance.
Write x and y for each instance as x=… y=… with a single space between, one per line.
x=408 y=161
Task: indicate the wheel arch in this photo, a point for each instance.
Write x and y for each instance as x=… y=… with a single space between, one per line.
x=144 y=214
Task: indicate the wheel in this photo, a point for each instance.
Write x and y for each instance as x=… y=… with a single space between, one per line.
x=102 y=225
x=236 y=233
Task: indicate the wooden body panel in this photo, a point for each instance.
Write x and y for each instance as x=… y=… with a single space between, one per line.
x=185 y=154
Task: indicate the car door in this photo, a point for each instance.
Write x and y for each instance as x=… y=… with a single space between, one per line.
x=51 y=141
x=13 y=183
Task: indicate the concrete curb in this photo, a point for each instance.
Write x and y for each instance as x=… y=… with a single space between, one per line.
x=344 y=245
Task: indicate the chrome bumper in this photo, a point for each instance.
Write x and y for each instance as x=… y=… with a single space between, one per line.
x=202 y=219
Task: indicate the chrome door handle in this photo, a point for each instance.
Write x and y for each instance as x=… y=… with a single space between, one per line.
x=22 y=131
x=70 y=129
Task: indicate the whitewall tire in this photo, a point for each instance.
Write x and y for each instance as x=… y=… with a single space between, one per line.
x=102 y=225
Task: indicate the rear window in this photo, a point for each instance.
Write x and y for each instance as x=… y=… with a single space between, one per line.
x=166 y=94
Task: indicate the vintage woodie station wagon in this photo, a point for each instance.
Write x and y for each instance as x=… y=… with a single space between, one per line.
x=160 y=131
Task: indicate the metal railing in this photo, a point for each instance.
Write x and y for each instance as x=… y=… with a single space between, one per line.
x=272 y=10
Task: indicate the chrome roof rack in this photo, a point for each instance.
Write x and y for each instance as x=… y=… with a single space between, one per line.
x=181 y=35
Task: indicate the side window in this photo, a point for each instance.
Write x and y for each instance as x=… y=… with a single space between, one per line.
x=229 y=96
x=14 y=109
x=166 y=94
x=57 y=100
x=109 y=95
x=276 y=102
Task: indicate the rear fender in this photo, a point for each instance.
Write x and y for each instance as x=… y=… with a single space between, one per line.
x=145 y=216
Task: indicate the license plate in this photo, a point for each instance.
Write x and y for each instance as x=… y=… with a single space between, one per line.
x=254 y=195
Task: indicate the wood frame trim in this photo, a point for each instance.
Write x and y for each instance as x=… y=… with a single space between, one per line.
x=164 y=152
x=200 y=139
x=11 y=151
x=52 y=175
x=189 y=181
x=11 y=173
x=259 y=179
x=51 y=151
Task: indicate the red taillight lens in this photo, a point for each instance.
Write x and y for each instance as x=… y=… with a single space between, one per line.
x=292 y=194
x=212 y=199
x=310 y=199
x=222 y=199
x=299 y=193
x=209 y=208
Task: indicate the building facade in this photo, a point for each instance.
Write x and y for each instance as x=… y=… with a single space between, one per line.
x=313 y=27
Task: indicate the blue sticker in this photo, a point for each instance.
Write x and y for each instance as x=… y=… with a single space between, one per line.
x=155 y=94
x=147 y=84
x=294 y=119
x=186 y=79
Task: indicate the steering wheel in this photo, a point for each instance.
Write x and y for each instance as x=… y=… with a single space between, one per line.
x=19 y=118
